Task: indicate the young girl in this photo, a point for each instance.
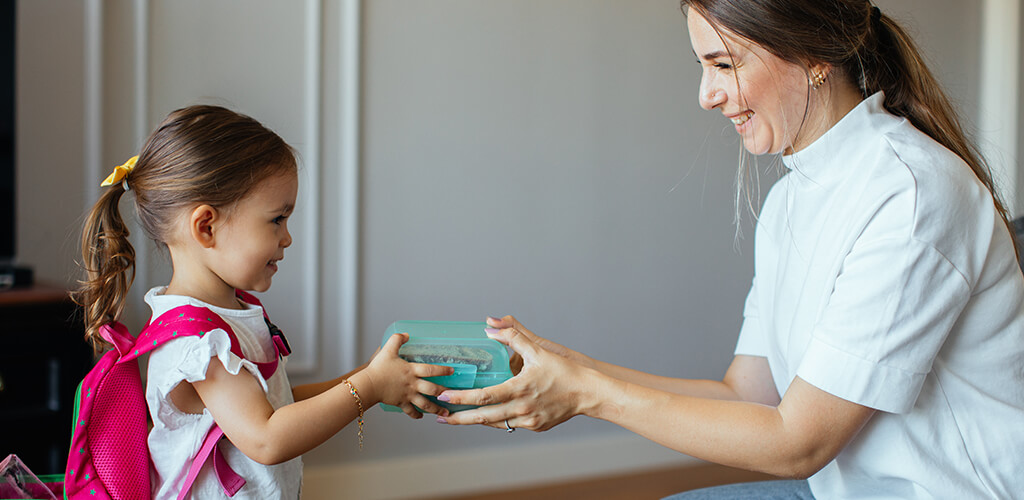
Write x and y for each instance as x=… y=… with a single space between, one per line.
x=216 y=188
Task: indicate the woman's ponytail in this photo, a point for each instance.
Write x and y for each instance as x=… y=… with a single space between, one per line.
x=892 y=63
x=109 y=262
x=866 y=46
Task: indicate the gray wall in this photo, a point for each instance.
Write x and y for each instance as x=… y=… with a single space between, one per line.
x=540 y=158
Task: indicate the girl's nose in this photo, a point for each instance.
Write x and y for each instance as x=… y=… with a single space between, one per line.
x=287 y=240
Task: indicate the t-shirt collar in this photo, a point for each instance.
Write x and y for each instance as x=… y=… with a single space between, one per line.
x=843 y=140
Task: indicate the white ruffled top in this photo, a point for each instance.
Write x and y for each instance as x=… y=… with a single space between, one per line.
x=177 y=436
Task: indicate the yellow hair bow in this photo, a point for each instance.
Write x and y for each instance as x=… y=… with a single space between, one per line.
x=120 y=171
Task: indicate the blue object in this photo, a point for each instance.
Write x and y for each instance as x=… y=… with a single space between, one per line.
x=457 y=344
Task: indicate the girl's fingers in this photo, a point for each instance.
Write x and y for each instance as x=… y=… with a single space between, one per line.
x=429 y=388
x=423 y=370
x=428 y=406
x=395 y=342
x=410 y=410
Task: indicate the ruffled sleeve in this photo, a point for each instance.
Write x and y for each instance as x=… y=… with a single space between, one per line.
x=187 y=359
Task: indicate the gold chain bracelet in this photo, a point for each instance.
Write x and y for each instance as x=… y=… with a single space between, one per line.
x=359 y=404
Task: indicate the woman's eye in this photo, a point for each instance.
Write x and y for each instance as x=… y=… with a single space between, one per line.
x=722 y=65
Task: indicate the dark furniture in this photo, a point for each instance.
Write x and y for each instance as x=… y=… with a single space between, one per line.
x=42 y=359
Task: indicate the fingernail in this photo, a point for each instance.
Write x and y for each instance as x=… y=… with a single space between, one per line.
x=442 y=420
x=444 y=397
x=493 y=319
x=491 y=331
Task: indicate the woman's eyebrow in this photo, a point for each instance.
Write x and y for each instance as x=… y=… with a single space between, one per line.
x=713 y=55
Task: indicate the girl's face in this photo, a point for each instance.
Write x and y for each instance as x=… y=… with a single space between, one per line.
x=256 y=233
x=764 y=96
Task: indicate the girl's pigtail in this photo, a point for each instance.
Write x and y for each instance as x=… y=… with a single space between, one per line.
x=109 y=262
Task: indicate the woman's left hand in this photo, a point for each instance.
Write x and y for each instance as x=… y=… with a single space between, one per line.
x=548 y=390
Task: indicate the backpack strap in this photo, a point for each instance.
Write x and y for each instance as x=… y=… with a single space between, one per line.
x=183 y=321
x=229 y=480
x=280 y=342
x=191 y=320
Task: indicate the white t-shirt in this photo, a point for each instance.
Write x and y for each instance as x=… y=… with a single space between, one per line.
x=884 y=276
x=176 y=436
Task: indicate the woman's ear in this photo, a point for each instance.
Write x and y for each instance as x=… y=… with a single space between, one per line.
x=201 y=224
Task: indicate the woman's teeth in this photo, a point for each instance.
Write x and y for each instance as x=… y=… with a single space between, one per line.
x=741 y=119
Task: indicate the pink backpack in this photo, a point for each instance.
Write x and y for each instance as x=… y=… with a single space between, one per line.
x=109 y=457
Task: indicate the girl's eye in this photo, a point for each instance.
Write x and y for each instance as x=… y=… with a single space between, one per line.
x=279 y=219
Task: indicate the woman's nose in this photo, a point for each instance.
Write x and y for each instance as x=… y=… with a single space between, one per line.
x=710 y=97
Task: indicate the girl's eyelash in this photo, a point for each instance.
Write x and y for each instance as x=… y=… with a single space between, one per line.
x=279 y=219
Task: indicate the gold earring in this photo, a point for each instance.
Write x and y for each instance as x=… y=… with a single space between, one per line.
x=817 y=80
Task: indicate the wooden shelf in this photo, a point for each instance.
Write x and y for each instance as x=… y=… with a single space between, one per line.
x=43 y=359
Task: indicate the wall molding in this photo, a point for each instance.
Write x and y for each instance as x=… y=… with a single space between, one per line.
x=999 y=95
x=349 y=153
x=308 y=288
x=312 y=158
x=93 y=98
x=140 y=126
x=430 y=475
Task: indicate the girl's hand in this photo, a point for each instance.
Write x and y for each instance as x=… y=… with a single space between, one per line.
x=550 y=389
x=397 y=382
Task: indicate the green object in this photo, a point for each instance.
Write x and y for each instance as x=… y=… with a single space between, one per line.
x=478 y=360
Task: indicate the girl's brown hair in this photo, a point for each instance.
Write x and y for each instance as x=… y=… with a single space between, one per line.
x=864 y=45
x=197 y=155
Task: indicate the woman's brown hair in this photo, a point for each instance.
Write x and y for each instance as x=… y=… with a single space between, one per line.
x=197 y=155
x=864 y=45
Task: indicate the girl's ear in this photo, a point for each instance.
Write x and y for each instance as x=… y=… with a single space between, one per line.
x=201 y=225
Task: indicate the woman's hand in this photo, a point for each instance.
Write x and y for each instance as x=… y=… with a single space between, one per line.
x=549 y=389
x=516 y=361
x=397 y=382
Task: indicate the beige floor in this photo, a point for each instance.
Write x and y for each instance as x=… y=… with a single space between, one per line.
x=650 y=485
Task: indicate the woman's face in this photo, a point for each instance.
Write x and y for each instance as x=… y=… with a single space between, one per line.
x=764 y=96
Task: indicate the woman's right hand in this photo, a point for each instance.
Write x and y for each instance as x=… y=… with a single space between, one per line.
x=550 y=388
x=397 y=382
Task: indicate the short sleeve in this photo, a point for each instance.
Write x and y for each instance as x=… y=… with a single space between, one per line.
x=187 y=359
x=892 y=307
x=751 y=341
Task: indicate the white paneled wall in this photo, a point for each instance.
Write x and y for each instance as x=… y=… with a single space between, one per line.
x=266 y=62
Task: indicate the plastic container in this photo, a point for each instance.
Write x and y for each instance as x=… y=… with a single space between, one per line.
x=478 y=361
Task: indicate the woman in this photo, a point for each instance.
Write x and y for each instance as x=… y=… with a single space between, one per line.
x=882 y=346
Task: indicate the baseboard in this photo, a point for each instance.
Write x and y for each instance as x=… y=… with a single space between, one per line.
x=427 y=476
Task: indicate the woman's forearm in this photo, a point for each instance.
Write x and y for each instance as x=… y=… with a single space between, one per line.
x=794 y=439
x=747 y=379
x=712 y=389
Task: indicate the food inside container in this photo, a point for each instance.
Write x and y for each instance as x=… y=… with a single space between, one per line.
x=478 y=361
